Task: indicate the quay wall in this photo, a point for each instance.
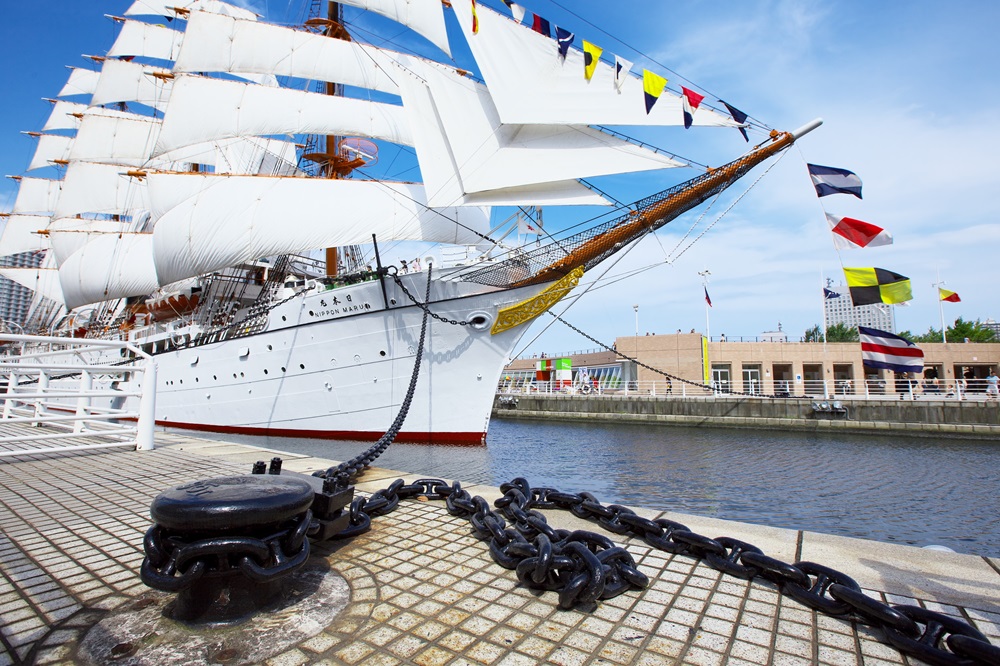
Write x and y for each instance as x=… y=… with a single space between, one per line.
x=945 y=418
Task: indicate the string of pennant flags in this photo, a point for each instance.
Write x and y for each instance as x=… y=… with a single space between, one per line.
x=653 y=84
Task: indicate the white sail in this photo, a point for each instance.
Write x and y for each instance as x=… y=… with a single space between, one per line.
x=531 y=84
x=441 y=173
x=100 y=188
x=425 y=17
x=67 y=115
x=43 y=281
x=124 y=81
x=215 y=43
x=169 y=8
x=146 y=40
x=254 y=155
x=20 y=234
x=69 y=234
x=36 y=195
x=81 y=82
x=51 y=148
x=203 y=109
x=109 y=266
x=241 y=218
x=491 y=155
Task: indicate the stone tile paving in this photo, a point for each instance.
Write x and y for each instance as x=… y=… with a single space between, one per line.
x=424 y=591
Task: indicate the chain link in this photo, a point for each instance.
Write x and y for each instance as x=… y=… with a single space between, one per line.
x=584 y=567
x=173 y=564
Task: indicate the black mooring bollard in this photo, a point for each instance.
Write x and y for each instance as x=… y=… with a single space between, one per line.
x=224 y=544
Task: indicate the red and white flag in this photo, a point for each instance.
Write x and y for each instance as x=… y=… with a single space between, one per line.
x=691 y=102
x=528 y=227
x=850 y=233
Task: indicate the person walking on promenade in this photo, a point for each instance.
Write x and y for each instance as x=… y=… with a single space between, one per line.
x=992 y=390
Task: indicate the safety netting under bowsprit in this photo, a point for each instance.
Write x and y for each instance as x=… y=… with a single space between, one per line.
x=590 y=247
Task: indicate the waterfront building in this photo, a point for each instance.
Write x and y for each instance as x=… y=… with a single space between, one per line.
x=769 y=368
x=840 y=310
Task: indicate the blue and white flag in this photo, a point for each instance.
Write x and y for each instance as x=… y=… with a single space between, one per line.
x=830 y=180
x=881 y=349
x=622 y=67
x=830 y=293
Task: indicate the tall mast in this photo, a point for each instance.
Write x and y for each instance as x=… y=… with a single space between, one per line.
x=331 y=148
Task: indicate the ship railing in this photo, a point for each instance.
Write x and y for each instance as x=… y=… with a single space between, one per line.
x=57 y=400
x=832 y=389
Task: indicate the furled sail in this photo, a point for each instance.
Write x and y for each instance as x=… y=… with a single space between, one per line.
x=109 y=266
x=215 y=43
x=43 y=281
x=124 y=81
x=425 y=17
x=81 y=82
x=241 y=218
x=36 y=195
x=203 y=109
x=531 y=84
x=20 y=234
x=51 y=148
x=169 y=8
x=99 y=188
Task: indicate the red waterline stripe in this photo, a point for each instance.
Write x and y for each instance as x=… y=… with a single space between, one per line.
x=454 y=438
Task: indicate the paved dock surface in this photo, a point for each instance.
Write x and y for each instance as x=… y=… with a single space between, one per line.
x=423 y=589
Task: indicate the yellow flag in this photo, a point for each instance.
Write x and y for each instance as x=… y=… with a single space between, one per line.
x=591 y=56
x=652 y=86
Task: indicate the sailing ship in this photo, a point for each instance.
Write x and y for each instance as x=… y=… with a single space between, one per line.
x=210 y=158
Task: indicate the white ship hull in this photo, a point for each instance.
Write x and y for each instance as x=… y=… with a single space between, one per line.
x=336 y=364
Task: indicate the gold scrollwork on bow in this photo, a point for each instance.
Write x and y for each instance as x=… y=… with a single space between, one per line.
x=519 y=313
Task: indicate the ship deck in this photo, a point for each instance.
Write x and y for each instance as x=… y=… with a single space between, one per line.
x=421 y=588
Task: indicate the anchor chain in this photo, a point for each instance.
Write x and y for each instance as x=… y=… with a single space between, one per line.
x=173 y=564
x=339 y=476
x=585 y=566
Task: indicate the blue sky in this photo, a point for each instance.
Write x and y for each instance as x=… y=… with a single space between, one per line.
x=907 y=90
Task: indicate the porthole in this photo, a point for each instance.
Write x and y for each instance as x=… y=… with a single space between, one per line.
x=265 y=371
x=382 y=353
x=392 y=301
x=312 y=314
x=215 y=377
x=283 y=368
x=269 y=348
x=302 y=366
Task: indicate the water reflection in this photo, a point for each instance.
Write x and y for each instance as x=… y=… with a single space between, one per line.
x=906 y=490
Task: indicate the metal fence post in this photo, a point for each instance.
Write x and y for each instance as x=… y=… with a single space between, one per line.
x=83 y=402
x=43 y=387
x=8 y=404
x=147 y=408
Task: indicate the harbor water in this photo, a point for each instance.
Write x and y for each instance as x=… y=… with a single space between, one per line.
x=915 y=491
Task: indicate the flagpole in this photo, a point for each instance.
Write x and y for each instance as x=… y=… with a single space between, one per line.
x=704 y=283
x=937 y=285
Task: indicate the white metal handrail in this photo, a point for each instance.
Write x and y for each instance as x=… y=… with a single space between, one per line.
x=30 y=395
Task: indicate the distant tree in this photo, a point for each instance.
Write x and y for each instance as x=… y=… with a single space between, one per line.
x=841 y=333
x=835 y=333
x=932 y=335
x=974 y=331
